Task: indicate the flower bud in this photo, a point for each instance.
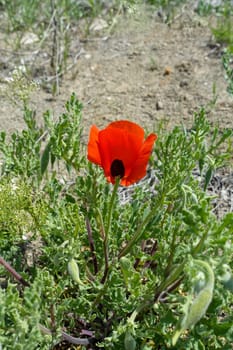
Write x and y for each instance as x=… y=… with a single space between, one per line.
x=197 y=309
x=74 y=271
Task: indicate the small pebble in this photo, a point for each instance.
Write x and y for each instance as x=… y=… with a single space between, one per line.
x=183 y=83
x=159 y=105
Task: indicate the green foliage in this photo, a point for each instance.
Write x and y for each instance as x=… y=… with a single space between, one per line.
x=16 y=200
x=223 y=31
x=22 y=156
x=168 y=8
x=165 y=3
x=126 y=274
x=20 y=316
x=30 y=14
x=204 y=8
x=64 y=137
x=21 y=15
x=23 y=152
x=227 y=60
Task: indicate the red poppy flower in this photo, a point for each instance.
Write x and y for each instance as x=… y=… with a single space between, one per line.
x=120 y=149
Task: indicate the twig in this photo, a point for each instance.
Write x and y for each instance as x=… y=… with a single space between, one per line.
x=67 y=337
x=15 y=274
x=163 y=296
x=54 y=40
x=152 y=252
x=55 y=58
x=114 y=20
x=45 y=35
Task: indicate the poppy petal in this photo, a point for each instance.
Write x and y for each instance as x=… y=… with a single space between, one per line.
x=120 y=150
x=93 y=153
x=117 y=144
x=139 y=168
x=129 y=127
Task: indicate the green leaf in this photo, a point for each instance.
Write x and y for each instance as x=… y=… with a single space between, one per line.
x=45 y=159
x=208 y=177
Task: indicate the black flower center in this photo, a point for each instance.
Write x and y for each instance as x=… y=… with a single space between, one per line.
x=117 y=168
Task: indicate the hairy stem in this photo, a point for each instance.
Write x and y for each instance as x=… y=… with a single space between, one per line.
x=92 y=246
x=107 y=229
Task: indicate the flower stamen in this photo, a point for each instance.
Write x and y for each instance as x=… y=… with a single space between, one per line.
x=117 y=168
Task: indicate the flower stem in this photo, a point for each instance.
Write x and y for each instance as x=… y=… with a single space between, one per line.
x=106 y=233
x=113 y=197
x=92 y=246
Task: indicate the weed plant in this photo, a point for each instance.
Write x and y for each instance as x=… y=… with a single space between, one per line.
x=78 y=267
x=223 y=31
x=227 y=60
x=168 y=8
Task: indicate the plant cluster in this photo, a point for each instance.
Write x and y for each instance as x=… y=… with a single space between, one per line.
x=223 y=31
x=80 y=269
x=227 y=60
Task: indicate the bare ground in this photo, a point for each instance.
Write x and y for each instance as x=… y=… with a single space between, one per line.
x=140 y=69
